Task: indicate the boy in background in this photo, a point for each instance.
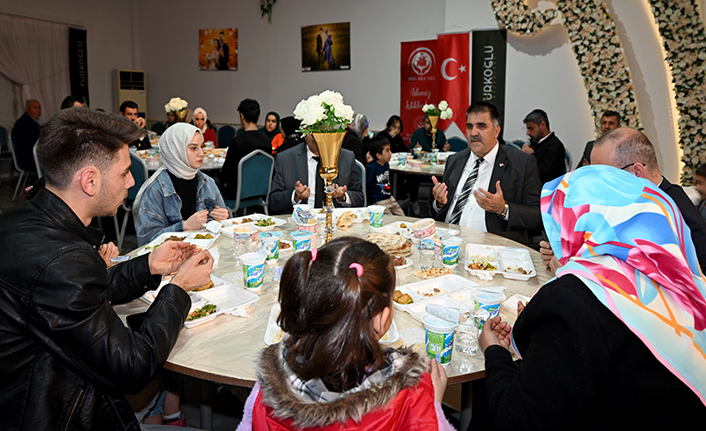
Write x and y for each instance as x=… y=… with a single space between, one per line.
x=700 y=186
x=378 y=177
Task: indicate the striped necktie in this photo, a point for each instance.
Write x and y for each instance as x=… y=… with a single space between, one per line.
x=465 y=192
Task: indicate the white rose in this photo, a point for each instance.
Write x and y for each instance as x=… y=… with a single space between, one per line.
x=449 y=112
x=331 y=97
x=443 y=115
x=345 y=112
x=443 y=105
x=431 y=106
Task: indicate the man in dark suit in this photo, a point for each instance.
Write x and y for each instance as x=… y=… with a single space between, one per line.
x=320 y=45
x=610 y=120
x=490 y=187
x=631 y=150
x=297 y=169
x=223 y=52
x=546 y=147
x=25 y=134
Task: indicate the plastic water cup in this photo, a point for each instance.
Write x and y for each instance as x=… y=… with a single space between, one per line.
x=467 y=338
x=376 y=213
x=439 y=338
x=450 y=248
x=253 y=270
x=270 y=242
x=301 y=213
x=489 y=301
x=302 y=240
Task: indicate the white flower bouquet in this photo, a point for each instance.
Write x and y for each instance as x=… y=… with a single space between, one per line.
x=442 y=111
x=323 y=113
x=176 y=104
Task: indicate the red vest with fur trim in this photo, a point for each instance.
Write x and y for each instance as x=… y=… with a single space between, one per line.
x=412 y=409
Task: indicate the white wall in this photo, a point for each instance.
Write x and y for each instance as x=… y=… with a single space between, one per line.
x=161 y=38
x=269 y=56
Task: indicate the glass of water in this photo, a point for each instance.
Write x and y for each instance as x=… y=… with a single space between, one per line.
x=467 y=338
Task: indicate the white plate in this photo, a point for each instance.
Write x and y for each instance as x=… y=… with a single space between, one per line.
x=188 y=237
x=391 y=335
x=418 y=311
x=227 y=298
x=360 y=215
x=446 y=284
x=406 y=265
x=505 y=258
x=149 y=296
x=288 y=249
x=273 y=333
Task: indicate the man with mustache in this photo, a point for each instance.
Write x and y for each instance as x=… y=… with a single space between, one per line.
x=489 y=186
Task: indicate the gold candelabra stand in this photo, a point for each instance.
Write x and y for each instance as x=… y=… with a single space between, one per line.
x=434 y=120
x=329 y=145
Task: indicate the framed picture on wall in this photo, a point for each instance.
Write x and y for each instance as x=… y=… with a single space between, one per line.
x=218 y=49
x=326 y=47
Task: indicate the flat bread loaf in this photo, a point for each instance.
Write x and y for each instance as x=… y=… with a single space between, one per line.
x=431 y=273
x=393 y=244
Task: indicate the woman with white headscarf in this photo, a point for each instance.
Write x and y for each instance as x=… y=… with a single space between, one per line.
x=201 y=123
x=178 y=197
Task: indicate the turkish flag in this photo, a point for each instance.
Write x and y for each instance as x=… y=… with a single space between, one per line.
x=419 y=83
x=453 y=53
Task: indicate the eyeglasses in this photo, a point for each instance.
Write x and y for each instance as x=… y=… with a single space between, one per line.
x=631 y=164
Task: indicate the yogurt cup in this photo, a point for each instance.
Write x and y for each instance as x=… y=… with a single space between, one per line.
x=424 y=228
x=439 y=338
x=450 y=249
x=301 y=213
x=253 y=270
x=310 y=227
x=489 y=301
x=301 y=240
x=376 y=213
x=270 y=242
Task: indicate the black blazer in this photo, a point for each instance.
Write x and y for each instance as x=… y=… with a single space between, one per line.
x=551 y=158
x=291 y=166
x=519 y=179
x=692 y=217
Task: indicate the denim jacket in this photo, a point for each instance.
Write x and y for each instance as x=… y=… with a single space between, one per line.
x=160 y=209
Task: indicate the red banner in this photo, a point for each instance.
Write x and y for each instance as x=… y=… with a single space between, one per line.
x=418 y=83
x=432 y=71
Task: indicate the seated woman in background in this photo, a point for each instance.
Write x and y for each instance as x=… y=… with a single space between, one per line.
x=393 y=132
x=201 y=123
x=292 y=137
x=357 y=131
x=329 y=370
x=617 y=340
x=178 y=197
x=273 y=130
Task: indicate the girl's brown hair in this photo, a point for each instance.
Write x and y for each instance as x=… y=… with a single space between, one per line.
x=327 y=311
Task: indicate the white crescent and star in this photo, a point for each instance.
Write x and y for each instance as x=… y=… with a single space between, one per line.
x=446 y=76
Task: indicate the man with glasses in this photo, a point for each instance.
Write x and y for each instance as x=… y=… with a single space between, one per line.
x=630 y=150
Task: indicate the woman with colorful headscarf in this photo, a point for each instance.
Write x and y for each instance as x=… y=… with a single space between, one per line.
x=617 y=339
x=273 y=130
x=357 y=131
x=201 y=123
x=178 y=197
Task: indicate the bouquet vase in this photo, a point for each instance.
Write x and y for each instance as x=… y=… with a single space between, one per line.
x=329 y=145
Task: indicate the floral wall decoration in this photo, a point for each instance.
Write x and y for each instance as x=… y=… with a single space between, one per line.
x=595 y=43
x=685 y=44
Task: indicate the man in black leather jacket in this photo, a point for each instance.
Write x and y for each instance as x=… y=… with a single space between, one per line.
x=66 y=359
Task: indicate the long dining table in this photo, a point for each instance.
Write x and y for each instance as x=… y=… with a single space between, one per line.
x=225 y=350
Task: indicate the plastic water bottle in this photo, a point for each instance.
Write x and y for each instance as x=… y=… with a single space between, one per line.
x=427 y=253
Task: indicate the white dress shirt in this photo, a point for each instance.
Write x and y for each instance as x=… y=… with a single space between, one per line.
x=313 y=173
x=473 y=215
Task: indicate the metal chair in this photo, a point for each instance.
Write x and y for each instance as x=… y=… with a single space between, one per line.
x=254 y=182
x=226 y=134
x=25 y=172
x=140 y=174
x=5 y=151
x=457 y=144
x=361 y=172
x=40 y=170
